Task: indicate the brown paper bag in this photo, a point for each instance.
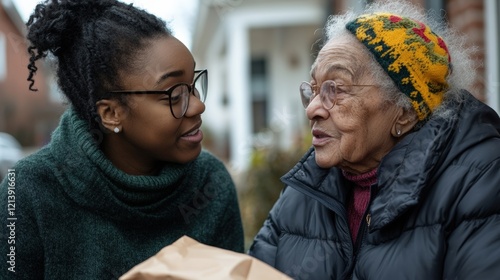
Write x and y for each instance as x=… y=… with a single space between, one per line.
x=187 y=259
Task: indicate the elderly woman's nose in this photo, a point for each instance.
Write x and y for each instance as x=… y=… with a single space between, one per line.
x=315 y=109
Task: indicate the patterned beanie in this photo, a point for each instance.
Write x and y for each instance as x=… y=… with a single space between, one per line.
x=415 y=58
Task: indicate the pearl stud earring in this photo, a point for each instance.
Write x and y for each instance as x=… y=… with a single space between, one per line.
x=116 y=130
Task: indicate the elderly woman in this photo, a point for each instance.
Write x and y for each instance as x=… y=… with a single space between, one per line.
x=404 y=178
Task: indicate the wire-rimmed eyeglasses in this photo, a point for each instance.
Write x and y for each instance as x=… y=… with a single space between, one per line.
x=327 y=93
x=178 y=95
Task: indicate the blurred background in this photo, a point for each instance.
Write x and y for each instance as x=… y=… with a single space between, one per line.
x=257 y=53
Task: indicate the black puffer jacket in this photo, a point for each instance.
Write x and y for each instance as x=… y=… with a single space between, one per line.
x=435 y=213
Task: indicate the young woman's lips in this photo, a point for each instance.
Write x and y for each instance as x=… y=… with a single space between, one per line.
x=194 y=136
x=319 y=138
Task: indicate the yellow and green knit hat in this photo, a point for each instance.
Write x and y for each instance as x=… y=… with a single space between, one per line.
x=415 y=58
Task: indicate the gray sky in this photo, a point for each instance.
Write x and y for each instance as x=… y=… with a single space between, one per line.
x=179 y=14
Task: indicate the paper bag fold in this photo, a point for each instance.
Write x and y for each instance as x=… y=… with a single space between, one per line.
x=187 y=259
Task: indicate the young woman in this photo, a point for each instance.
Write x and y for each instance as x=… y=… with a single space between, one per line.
x=124 y=174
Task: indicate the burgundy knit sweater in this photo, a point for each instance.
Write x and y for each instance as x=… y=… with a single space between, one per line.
x=360 y=198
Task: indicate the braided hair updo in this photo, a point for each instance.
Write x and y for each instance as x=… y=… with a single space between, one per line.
x=92 y=40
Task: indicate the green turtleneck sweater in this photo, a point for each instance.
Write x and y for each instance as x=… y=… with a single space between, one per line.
x=77 y=216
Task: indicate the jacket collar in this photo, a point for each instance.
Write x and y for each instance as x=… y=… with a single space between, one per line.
x=327 y=185
x=420 y=158
x=407 y=170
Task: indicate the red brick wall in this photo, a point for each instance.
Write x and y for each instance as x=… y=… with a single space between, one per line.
x=467 y=16
x=27 y=115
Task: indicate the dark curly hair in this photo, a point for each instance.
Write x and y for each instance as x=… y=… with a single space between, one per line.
x=92 y=40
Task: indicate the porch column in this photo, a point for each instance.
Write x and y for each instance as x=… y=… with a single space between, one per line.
x=240 y=121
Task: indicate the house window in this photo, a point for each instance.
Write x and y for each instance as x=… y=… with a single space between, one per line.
x=3 y=57
x=259 y=86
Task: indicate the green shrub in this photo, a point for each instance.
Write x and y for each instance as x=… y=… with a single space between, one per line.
x=260 y=186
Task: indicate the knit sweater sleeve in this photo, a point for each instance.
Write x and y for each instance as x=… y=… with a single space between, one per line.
x=231 y=224
x=220 y=186
x=265 y=243
x=22 y=252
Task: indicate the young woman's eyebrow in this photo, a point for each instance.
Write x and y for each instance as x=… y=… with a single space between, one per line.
x=167 y=75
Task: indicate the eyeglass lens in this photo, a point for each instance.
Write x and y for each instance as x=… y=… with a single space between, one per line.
x=200 y=86
x=326 y=93
x=179 y=101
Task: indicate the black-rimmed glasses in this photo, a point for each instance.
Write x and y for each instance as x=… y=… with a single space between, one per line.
x=178 y=95
x=327 y=93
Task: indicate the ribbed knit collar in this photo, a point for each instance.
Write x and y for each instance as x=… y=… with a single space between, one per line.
x=92 y=181
x=363 y=180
